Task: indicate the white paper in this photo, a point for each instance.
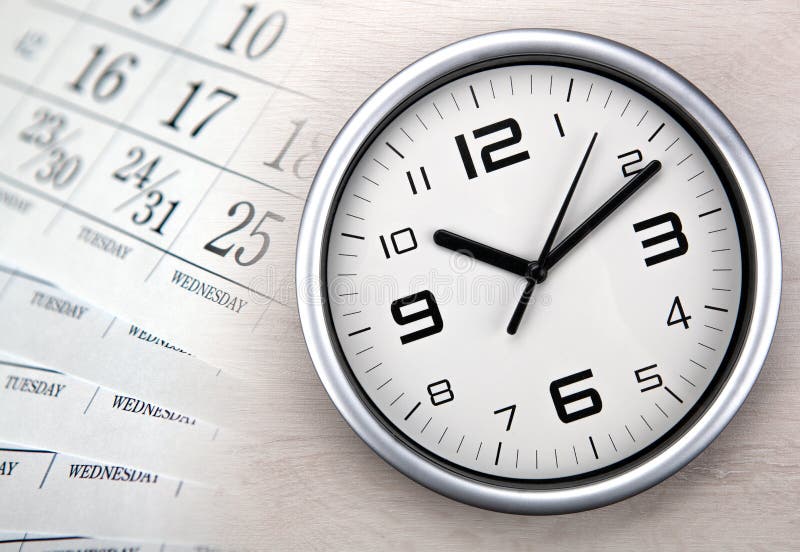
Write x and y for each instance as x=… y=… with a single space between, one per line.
x=52 y=328
x=43 y=408
x=62 y=494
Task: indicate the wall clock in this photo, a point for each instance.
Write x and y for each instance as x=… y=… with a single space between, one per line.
x=538 y=271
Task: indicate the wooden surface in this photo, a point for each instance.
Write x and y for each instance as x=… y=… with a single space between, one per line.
x=324 y=489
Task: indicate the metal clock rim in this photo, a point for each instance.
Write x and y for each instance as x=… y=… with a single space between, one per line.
x=755 y=201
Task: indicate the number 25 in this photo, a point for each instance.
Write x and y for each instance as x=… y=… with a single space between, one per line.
x=251 y=211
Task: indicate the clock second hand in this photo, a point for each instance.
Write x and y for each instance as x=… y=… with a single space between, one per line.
x=537 y=272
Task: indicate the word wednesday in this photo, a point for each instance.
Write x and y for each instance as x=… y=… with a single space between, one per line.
x=136 y=406
x=111 y=473
x=208 y=292
x=146 y=336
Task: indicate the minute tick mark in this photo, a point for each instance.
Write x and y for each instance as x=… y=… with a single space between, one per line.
x=426 y=425
x=607 y=99
x=454 y=101
x=624 y=109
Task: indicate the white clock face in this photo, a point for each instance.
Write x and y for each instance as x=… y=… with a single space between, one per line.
x=628 y=325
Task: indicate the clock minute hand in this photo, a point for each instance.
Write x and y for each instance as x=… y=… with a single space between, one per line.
x=602 y=213
x=481 y=252
x=537 y=272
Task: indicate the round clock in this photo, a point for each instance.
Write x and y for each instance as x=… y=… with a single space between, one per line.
x=538 y=271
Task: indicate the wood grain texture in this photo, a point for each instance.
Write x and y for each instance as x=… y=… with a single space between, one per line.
x=327 y=491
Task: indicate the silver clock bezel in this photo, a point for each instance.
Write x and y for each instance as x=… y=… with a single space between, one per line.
x=765 y=264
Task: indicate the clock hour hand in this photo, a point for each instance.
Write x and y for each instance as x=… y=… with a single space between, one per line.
x=481 y=252
x=602 y=213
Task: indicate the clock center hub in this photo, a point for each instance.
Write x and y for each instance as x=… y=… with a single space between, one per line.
x=536 y=272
